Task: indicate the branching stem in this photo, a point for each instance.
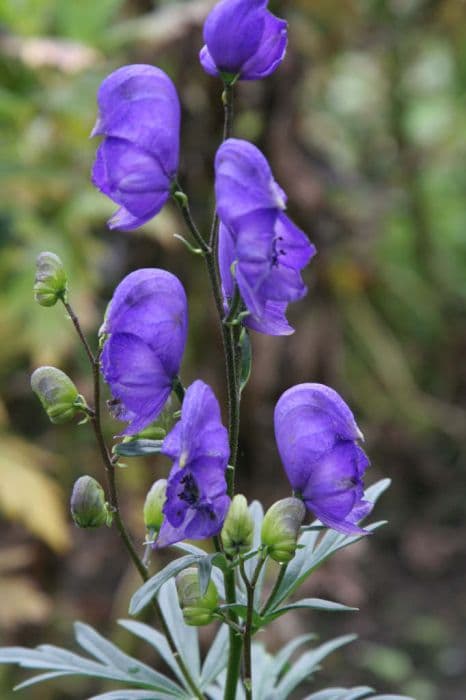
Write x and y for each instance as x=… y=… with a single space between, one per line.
x=275 y=589
x=110 y=472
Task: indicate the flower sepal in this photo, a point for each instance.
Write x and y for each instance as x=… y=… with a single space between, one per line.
x=88 y=506
x=198 y=610
x=281 y=527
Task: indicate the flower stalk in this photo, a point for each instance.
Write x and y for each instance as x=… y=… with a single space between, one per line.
x=113 y=500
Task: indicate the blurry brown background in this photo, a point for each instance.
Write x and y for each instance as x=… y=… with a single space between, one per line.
x=364 y=125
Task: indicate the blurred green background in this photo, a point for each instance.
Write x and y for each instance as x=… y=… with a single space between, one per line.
x=365 y=127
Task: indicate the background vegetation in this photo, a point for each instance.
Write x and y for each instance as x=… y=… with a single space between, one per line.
x=365 y=127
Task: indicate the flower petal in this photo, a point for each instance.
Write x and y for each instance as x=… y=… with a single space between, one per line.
x=233 y=31
x=271 y=50
x=137 y=378
x=244 y=182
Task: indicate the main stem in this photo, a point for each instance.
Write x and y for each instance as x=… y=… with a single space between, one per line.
x=250 y=588
x=113 y=499
x=209 y=251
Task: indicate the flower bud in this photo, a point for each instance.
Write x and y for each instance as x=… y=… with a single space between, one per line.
x=51 y=283
x=57 y=394
x=238 y=528
x=197 y=610
x=155 y=499
x=280 y=528
x=88 y=503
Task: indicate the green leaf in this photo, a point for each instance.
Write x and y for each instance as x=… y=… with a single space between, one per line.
x=205 y=570
x=315 y=551
x=308 y=663
x=286 y=652
x=156 y=640
x=186 y=638
x=110 y=655
x=311 y=604
x=136 y=695
x=113 y=664
x=138 y=448
x=216 y=659
x=341 y=694
x=352 y=694
x=150 y=588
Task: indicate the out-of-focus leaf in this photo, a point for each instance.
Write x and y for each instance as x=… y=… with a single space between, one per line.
x=22 y=602
x=30 y=496
x=86 y=20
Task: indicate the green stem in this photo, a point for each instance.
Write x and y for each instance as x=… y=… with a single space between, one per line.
x=113 y=499
x=250 y=588
x=209 y=251
x=227 y=99
x=236 y=642
x=280 y=577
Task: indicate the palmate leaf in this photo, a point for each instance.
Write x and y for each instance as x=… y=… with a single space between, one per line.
x=315 y=551
x=310 y=604
x=108 y=662
x=156 y=640
x=359 y=693
x=185 y=637
x=272 y=678
x=307 y=664
x=216 y=659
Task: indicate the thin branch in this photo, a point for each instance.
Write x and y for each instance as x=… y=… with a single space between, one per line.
x=113 y=499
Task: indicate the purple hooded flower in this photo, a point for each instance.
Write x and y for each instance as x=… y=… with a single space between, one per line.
x=136 y=163
x=267 y=251
x=196 y=502
x=146 y=325
x=242 y=38
x=316 y=436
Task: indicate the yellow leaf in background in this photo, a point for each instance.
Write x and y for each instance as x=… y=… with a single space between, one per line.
x=22 y=602
x=31 y=497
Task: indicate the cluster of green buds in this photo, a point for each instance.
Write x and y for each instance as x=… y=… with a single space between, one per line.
x=51 y=283
x=198 y=610
x=238 y=528
x=280 y=529
x=88 y=506
x=58 y=394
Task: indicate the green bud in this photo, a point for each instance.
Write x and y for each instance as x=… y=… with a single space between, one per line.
x=280 y=528
x=155 y=499
x=57 y=394
x=197 y=610
x=238 y=528
x=51 y=283
x=88 y=506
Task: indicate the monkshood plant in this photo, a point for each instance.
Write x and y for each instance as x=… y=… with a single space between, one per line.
x=254 y=256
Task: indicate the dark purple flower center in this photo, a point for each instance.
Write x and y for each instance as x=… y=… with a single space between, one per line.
x=190 y=490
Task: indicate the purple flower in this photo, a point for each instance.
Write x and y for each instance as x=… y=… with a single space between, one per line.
x=196 y=502
x=136 y=163
x=146 y=324
x=242 y=38
x=256 y=239
x=316 y=436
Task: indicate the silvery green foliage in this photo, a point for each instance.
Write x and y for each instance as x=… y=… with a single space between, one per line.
x=274 y=677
